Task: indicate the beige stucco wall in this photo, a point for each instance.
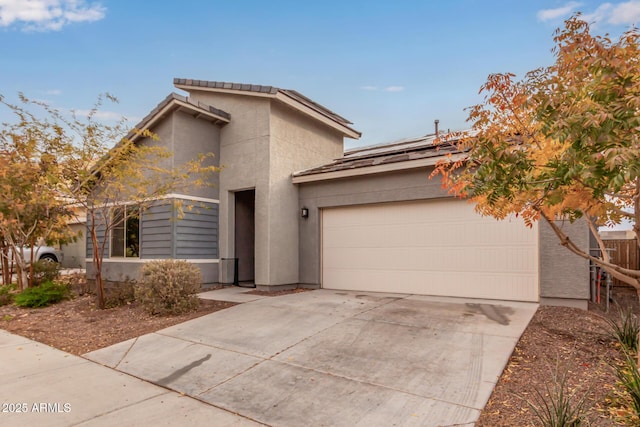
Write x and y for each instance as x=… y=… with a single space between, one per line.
x=191 y=137
x=262 y=145
x=244 y=158
x=75 y=253
x=297 y=143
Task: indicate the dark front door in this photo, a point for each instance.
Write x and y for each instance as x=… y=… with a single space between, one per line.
x=245 y=239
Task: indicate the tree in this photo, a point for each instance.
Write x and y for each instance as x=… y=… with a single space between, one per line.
x=100 y=169
x=562 y=143
x=29 y=183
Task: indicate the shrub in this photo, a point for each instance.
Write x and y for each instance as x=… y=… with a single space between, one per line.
x=118 y=294
x=168 y=287
x=629 y=376
x=44 y=271
x=558 y=405
x=625 y=329
x=41 y=296
x=6 y=294
x=77 y=282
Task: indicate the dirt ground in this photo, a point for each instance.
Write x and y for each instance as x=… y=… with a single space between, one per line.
x=77 y=326
x=558 y=339
x=568 y=342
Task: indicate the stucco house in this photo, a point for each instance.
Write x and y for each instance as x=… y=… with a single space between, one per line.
x=295 y=209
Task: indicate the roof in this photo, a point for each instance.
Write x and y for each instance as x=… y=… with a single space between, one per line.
x=287 y=96
x=182 y=103
x=404 y=154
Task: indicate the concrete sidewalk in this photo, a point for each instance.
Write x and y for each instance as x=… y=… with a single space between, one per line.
x=47 y=387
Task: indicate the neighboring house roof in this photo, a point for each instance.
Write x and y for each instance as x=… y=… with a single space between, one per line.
x=287 y=96
x=175 y=102
x=405 y=154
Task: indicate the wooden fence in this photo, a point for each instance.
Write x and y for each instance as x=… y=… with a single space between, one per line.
x=625 y=254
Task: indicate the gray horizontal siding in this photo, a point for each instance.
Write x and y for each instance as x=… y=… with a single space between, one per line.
x=163 y=235
x=159 y=212
x=156 y=231
x=100 y=230
x=197 y=232
x=196 y=223
x=195 y=237
x=156 y=237
x=155 y=253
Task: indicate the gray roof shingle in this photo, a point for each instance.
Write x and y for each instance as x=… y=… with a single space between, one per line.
x=265 y=89
x=400 y=151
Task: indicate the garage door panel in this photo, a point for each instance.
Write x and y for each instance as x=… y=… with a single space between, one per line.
x=427 y=234
x=430 y=247
x=467 y=284
x=382 y=236
x=431 y=259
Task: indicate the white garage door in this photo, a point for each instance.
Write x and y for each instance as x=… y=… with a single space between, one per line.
x=438 y=247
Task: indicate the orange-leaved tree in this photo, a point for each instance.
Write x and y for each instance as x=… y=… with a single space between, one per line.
x=30 y=181
x=561 y=143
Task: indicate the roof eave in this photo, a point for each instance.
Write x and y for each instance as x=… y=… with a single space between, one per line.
x=301 y=177
x=189 y=87
x=281 y=97
x=342 y=128
x=172 y=105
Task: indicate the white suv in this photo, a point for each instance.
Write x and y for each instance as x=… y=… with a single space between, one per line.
x=44 y=253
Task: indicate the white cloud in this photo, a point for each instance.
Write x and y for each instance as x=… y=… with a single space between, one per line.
x=599 y=15
x=104 y=115
x=625 y=13
x=48 y=15
x=54 y=92
x=608 y=13
x=560 y=12
x=386 y=89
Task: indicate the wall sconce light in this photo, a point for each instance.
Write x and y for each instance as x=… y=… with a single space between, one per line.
x=304 y=213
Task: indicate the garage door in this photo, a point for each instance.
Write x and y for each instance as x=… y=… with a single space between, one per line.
x=439 y=247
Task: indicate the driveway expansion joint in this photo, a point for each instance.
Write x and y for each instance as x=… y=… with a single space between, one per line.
x=126 y=353
x=137 y=402
x=344 y=377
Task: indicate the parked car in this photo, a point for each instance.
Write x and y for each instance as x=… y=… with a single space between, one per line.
x=44 y=253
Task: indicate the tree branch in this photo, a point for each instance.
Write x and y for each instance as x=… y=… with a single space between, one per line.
x=625 y=275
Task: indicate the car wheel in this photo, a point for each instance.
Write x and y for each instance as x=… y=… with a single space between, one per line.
x=48 y=258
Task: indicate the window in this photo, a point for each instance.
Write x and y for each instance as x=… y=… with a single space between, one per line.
x=125 y=234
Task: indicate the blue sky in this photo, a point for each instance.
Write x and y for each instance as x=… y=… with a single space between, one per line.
x=389 y=67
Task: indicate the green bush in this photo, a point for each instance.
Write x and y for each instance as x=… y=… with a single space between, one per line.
x=41 y=296
x=168 y=287
x=44 y=271
x=6 y=294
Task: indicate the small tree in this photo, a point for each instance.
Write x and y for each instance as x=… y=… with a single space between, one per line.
x=4 y=262
x=30 y=182
x=102 y=168
x=564 y=142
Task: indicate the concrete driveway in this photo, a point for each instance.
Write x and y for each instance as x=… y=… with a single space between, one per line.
x=331 y=358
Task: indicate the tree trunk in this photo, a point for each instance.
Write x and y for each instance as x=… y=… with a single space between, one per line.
x=5 y=266
x=97 y=264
